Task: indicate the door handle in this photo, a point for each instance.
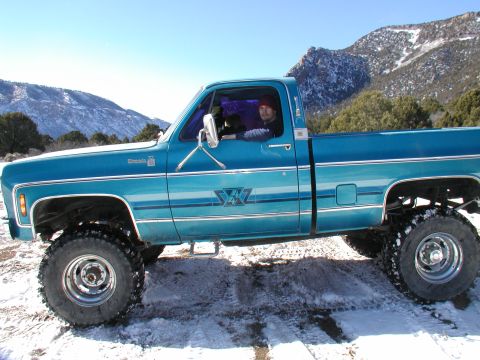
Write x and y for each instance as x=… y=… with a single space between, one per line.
x=286 y=146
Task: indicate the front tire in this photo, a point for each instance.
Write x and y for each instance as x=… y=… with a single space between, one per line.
x=151 y=253
x=91 y=276
x=434 y=256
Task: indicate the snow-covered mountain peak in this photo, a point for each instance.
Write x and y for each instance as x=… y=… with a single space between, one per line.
x=432 y=59
x=58 y=111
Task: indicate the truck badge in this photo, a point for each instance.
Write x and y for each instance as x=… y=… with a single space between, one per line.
x=137 y=161
x=233 y=196
x=151 y=161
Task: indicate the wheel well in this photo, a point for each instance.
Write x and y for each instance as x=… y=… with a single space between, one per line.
x=56 y=214
x=443 y=192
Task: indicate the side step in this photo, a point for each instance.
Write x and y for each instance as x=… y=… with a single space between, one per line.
x=205 y=254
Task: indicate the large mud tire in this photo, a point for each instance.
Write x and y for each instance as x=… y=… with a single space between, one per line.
x=433 y=256
x=91 y=276
x=367 y=243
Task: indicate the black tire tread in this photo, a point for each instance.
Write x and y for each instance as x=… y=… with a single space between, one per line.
x=368 y=244
x=108 y=235
x=391 y=247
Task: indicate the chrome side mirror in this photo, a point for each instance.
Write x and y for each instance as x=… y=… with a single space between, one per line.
x=210 y=130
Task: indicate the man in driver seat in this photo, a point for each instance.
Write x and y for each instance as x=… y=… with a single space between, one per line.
x=272 y=127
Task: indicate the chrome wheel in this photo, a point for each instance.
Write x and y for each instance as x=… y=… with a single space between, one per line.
x=438 y=258
x=89 y=280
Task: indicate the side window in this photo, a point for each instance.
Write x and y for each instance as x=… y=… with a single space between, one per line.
x=195 y=123
x=251 y=114
x=247 y=113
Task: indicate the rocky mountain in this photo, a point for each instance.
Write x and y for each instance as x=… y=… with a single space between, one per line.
x=59 y=111
x=437 y=59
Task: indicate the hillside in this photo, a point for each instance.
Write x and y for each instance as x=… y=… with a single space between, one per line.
x=58 y=111
x=437 y=59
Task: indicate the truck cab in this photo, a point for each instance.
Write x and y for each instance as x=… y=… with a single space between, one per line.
x=253 y=189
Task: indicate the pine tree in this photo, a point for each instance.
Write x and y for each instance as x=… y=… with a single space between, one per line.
x=463 y=111
x=369 y=111
x=113 y=139
x=149 y=132
x=18 y=133
x=318 y=124
x=75 y=137
x=99 y=138
x=409 y=114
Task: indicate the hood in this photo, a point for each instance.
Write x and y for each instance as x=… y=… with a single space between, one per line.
x=91 y=150
x=94 y=162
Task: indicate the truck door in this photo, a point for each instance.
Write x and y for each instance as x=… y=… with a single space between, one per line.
x=256 y=194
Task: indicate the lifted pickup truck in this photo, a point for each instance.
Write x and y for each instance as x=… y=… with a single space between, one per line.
x=220 y=174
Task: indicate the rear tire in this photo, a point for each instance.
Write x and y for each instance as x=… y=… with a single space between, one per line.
x=434 y=256
x=367 y=243
x=91 y=276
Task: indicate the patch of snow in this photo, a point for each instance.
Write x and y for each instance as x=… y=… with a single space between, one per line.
x=401 y=336
x=423 y=49
x=414 y=33
x=408 y=230
x=400 y=62
x=66 y=98
x=19 y=93
x=467 y=38
x=284 y=343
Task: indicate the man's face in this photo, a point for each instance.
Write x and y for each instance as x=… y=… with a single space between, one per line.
x=266 y=113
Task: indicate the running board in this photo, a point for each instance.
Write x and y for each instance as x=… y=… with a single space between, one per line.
x=205 y=254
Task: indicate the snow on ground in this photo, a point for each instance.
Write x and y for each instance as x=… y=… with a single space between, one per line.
x=315 y=299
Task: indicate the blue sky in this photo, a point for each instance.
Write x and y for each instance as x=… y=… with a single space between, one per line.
x=152 y=56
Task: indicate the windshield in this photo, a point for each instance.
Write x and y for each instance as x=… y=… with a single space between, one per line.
x=172 y=127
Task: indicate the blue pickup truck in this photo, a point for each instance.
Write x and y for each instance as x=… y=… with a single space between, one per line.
x=227 y=174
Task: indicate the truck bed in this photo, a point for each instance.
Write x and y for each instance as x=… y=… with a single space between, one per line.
x=354 y=172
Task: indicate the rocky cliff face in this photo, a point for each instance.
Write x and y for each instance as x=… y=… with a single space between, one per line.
x=58 y=111
x=438 y=59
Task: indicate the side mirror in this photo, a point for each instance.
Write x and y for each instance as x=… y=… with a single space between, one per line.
x=210 y=130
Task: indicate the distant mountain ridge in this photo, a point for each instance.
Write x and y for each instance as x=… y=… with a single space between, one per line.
x=437 y=59
x=58 y=111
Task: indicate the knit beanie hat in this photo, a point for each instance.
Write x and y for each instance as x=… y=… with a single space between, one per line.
x=268 y=100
